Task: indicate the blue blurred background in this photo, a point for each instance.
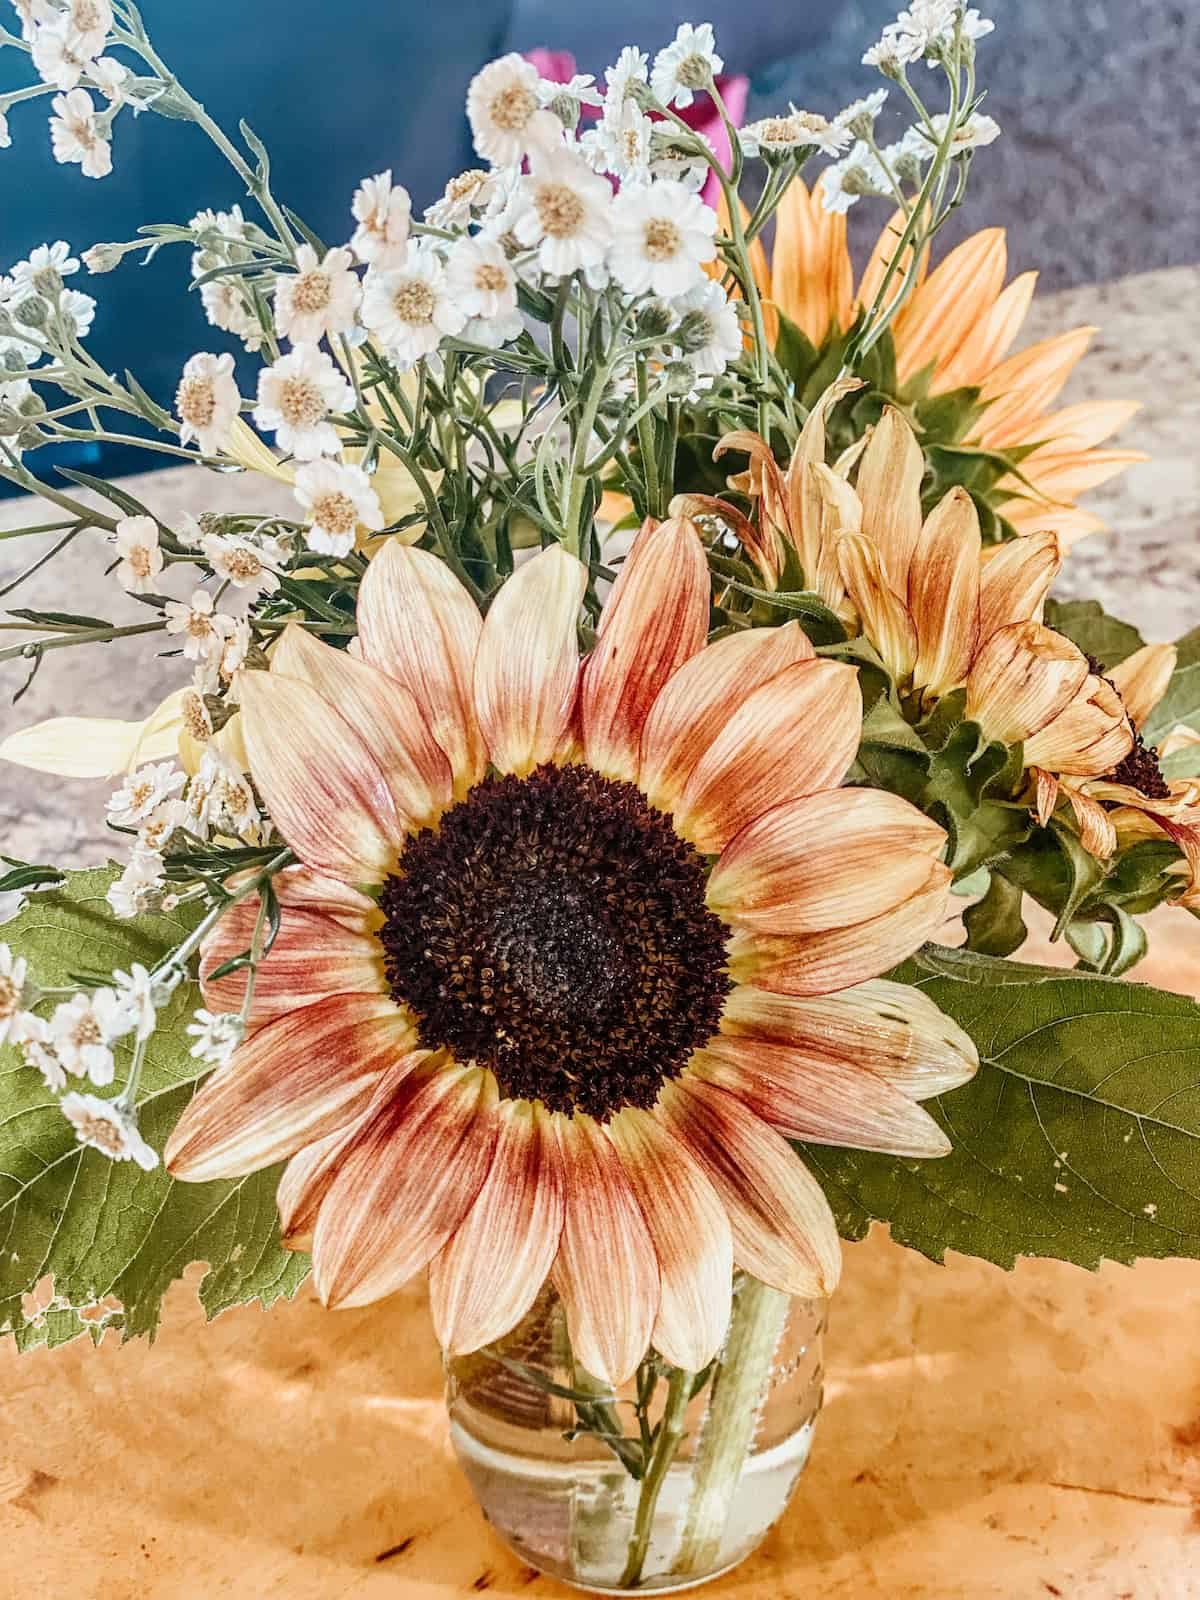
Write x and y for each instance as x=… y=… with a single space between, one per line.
x=1095 y=174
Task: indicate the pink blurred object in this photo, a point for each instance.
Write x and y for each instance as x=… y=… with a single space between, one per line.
x=558 y=66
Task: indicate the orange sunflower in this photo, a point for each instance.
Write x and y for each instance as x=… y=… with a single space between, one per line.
x=624 y=944
x=956 y=330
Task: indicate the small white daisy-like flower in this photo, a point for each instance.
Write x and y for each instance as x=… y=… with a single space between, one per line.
x=39 y=272
x=104 y=1126
x=709 y=330
x=629 y=68
x=220 y=798
x=226 y=308
x=139 y=888
x=846 y=181
x=14 y=994
x=235 y=650
x=136 y=540
x=204 y=630
x=688 y=64
x=158 y=827
x=468 y=192
x=143 y=792
x=136 y=1000
x=566 y=210
x=482 y=282
x=621 y=143
x=383 y=211
x=858 y=118
x=58 y=54
x=36 y=1052
x=508 y=120
x=409 y=309
x=319 y=298
x=110 y=77
x=76 y=135
x=798 y=130
x=885 y=55
x=337 y=501
x=295 y=397
x=662 y=235
x=973 y=133
x=207 y=401
x=82 y=1031
x=240 y=563
x=217 y=1035
x=581 y=87
x=683 y=163
x=77 y=311
x=91 y=21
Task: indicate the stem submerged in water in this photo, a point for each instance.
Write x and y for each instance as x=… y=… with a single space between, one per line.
x=670 y=1436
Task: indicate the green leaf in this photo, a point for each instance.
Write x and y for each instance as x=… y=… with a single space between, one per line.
x=1079 y=1137
x=1181 y=703
x=994 y=924
x=1087 y=624
x=107 y=1228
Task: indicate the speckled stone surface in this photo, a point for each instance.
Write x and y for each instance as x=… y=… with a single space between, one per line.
x=1145 y=568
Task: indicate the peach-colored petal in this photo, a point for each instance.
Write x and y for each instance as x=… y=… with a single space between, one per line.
x=323 y=787
x=1082 y=426
x=606 y=1271
x=691 y=705
x=299 y=1078
x=527 y=666
x=825 y=861
x=883 y=615
x=958 y=294
x=691 y=1237
x=418 y=624
x=1096 y=832
x=889 y=486
x=302 y=890
x=1089 y=737
x=761 y=543
x=892 y=1029
x=805 y=510
x=832 y=509
x=1142 y=679
x=811 y=275
x=1068 y=523
x=783 y=1229
x=405 y=1184
x=880 y=260
x=1019 y=390
x=1046 y=790
x=384 y=713
x=827 y=1102
x=308 y=1178
x=795 y=735
x=312 y=956
x=943 y=593
x=1023 y=677
x=836 y=958
x=485 y=1278
x=655 y=619
x=1015 y=579
x=1064 y=474
x=990 y=340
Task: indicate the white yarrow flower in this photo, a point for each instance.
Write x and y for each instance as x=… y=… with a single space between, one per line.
x=207 y=401
x=82 y=1031
x=687 y=65
x=709 y=329
x=204 y=630
x=104 y=1126
x=92 y=22
x=240 y=563
x=295 y=397
x=220 y=798
x=337 y=501
x=508 y=120
x=565 y=209
x=409 y=309
x=621 y=143
x=319 y=298
x=39 y=271
x=136 y=541
x=846 y=181
x=14 y=996
x=798 y=130
x=858 y=118
x=470 y=191
x=973 y=133
x=480 y=278
x=34 y=1045
x=136 y=1000
x=662 y=235
x=58 y=54
x=143 y=792
x=75 y=134
x=383 y=212
x=629 y=68
x=217 y=1035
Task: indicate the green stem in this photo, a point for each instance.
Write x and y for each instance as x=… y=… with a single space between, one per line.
x=670 y=1435
x=738 y=1386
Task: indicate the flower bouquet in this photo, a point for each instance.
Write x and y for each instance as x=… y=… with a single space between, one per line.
x=603 y=764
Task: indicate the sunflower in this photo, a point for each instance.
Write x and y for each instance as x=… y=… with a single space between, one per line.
x=952 y=338
x=622 y=943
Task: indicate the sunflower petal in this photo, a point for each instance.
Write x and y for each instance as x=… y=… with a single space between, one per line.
x=824 y=861
x=958 y=294
x=656 y=618
x=1016 y=579
x=794 y=735
x=1142 y=679
x=690 y=1232
x=1097 y=834
x=485 y=1278
x=296 y=1080
x=418 y=624
x=384 y=712
x=1023 y=677
x=681 y=722
x=312 y=956
x=606 y=1271
x=811 y=275
x=299 y=889
x=783 y=1229
x=527 y=665
x=889 y=486
x=1018 y=391
x=943 y=593
x=827 y=1102
x=892 y=1029
x=836 y=958
x=884 y=616
x=989 y=341
x=1088 y=738
x=405 y=1184
x=322 y=786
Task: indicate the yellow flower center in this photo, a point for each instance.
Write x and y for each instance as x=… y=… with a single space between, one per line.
x=196 y=402
x=661 y=239
x=10 y=997
x=195 y=718
x=311 y=292
x=242 y=565
x=465 y=185
x=301 y=403
x=512 y=107
x=559 y=209
x=139 y=561
x=102 y=1133
x=490 y=279
x=414 y=302
x=86 y=1032
x=335 y=512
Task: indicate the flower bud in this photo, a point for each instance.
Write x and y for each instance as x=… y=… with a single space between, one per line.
x=694 y=332
x=654 y=319
x=102 y=257
x=48 y=283
x=566 y=108
x=681 y=379
x=32 y=313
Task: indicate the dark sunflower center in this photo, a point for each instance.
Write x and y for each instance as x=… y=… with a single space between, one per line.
x=554 y=929
x=1140 y=771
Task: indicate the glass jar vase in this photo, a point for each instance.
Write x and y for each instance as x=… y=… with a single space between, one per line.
x=660 y=1485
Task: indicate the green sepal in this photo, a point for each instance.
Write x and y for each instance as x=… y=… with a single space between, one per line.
x=995 y=926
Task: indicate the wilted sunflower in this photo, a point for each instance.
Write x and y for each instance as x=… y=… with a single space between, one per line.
x=954 y=334
x=564 y=1039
